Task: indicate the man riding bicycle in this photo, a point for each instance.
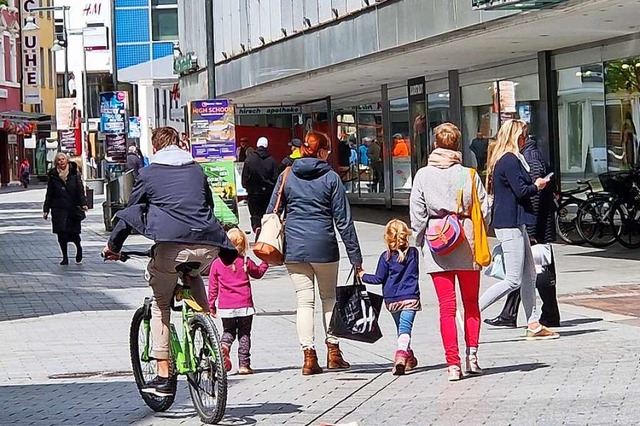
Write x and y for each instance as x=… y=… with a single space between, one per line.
x=171 y=203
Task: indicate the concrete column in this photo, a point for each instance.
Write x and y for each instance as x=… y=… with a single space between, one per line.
x=547 y=116
x=455 y=98
x=146 y=109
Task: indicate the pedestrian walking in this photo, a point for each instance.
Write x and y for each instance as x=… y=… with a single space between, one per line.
x=429 y=204
x=244 y=150
x=315 y=204
x=230 y=298
x=295 y=145
x=66 y=200
x=543 y=232
x=377 y=166
x=24 y=172
x=509 y=181
x=259 y=176
x=134 y=161
x=397 y=271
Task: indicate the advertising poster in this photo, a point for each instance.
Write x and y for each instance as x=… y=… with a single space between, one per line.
x=135 y=131
x=221 y=176
x=212 y=130
x=67 y=140
x=67 y=113
x=116 y=148
x=113 y=112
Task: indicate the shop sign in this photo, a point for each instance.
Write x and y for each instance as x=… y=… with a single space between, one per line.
x=135 y=129
x=95 y=38
x=221 y=177
x=67 y=140
x=275 y=110
x=116 y=147
x=416 y=89
x=370 y=107
x=67 y=114
x=212 y=130
x=185 y=64
x=30 y=57
x=12 y=139
x=113 y=112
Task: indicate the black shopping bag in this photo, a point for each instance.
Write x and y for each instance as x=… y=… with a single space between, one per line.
x=355 y=314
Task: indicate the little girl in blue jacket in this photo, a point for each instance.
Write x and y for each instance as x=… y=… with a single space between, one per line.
x=397 y=271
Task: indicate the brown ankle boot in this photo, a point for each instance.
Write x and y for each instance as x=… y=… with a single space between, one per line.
x=311 y=365
x=334 y=357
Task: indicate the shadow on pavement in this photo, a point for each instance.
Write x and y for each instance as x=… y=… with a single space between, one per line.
x=578 y=321
x=378 y=214
x=521 y=368
x=242 y=414
x=613 y=252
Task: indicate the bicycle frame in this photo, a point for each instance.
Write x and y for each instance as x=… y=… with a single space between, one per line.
x=180 y=349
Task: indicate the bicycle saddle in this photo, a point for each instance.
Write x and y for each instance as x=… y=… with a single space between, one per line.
x=187 y=267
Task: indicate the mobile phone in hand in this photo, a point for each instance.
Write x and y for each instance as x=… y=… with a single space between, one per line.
x=549 y=176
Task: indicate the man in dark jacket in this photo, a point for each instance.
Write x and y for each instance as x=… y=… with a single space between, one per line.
x=171 y=204
x=259 y=177
x=134 y=162
x=295 y=145
x=543 y=232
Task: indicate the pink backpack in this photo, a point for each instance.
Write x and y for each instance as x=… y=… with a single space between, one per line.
x=445 y=234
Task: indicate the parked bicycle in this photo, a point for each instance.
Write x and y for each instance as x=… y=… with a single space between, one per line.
x=567 y=206
x=626 y=206
x=198 y=355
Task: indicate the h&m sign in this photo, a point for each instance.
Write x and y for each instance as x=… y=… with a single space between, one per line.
x=30 y=56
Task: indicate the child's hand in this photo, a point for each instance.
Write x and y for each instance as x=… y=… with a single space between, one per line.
x=212 y=312
x=361 y=273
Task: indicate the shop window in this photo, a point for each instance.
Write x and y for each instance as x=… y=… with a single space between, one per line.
x=401 y=173
x=622 y=84
x=581 y=122
x=164 y=20
x=487 y=105
x=439 y=107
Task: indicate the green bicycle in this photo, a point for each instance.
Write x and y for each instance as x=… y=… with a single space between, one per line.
x=198 y=355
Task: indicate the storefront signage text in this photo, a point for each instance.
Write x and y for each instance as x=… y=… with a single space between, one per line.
x=269 y=110
x=30 y=57
x=185 y=64
x=113 y=112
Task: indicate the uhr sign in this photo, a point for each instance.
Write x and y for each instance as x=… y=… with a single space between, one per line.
x=30 y=56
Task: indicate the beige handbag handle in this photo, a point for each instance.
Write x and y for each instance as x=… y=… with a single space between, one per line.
x=285 y=174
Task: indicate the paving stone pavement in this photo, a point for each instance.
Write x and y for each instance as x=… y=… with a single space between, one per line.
x=65 y=360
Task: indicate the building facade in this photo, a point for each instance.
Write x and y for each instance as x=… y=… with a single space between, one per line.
x=388 y=72
x=146 y=33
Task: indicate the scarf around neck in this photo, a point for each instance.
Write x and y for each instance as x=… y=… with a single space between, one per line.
x=64 y=174
x=444 y=158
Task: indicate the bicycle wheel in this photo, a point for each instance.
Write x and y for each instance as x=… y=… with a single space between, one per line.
x=629 y=235
x=597 y=222
x=144 y=371
x=208 y=385
x=566 y=224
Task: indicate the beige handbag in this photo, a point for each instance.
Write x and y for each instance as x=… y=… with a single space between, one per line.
x=270 y=244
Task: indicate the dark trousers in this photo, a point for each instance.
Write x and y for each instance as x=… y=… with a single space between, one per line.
x=64 y=238
x=258 y=204
x=550 y=311
x=378 y=177
x=239 y=327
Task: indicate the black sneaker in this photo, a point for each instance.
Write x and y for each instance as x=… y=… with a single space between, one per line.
x=159 y=386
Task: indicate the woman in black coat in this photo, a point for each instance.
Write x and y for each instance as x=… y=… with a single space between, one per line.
x=67 y=203
x=543 y=232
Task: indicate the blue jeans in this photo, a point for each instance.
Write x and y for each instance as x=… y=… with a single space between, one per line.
x=404 y=321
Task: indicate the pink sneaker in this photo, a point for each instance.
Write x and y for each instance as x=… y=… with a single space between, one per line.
x=400 y=363
x=412 y=361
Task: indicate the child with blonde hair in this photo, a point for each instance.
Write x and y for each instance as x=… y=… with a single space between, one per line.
x=230 y=287
x=397 y=271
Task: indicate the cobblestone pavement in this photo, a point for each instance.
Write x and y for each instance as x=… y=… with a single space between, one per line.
x=65 y=355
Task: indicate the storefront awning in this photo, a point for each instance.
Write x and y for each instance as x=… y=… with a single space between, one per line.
x=23 y=123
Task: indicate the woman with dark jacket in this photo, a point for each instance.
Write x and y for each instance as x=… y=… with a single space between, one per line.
x=315 y=203
x=511 y=185
x=66 y=201
x=543 y=232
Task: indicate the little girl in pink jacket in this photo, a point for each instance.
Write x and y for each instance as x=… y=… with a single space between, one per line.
x=230 y=287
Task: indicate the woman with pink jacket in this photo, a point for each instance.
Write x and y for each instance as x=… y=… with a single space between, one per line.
x=230 y=287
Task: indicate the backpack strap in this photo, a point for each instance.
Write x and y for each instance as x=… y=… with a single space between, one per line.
x=285 y=174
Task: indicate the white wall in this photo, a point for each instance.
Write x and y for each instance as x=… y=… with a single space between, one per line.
x=147 y=110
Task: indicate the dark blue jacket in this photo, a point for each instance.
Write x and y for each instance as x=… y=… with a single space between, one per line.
x=399 y=280
x=313 y=200
x=171 y=201
x=512 y=192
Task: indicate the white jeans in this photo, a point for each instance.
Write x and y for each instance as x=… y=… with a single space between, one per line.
x=520 y=272
x=303 y=276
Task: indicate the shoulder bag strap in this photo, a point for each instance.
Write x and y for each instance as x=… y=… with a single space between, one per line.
x=460 y=194
x=285 y=174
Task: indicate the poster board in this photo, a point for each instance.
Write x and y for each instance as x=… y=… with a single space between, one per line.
x=212 y=130
x=221 y=177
